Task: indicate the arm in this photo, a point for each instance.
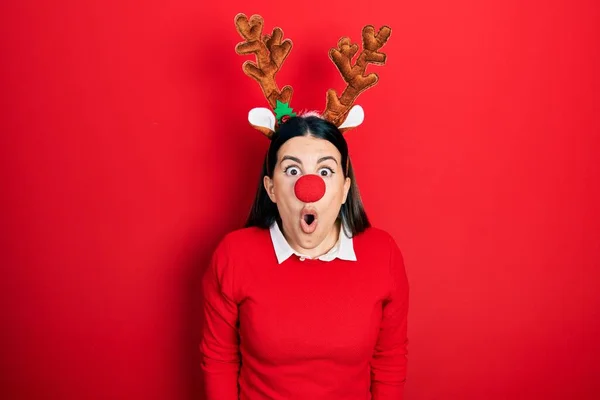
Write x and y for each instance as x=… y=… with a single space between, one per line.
x=388 y=365
x=220 y=341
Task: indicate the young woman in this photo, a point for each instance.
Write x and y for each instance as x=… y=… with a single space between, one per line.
x=308 y=301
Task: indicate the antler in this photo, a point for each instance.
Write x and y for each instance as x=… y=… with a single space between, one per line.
x=270 y=53
x=337 y=108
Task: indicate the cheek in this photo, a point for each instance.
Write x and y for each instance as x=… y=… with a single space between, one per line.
x=284 y=188
x=335 y=190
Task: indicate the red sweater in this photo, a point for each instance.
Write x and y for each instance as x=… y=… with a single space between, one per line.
x=308 y=329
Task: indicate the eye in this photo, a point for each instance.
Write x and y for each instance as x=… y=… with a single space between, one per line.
x=292 y=171
x=326 y=171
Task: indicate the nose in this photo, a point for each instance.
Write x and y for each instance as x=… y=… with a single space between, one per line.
x=310 y=188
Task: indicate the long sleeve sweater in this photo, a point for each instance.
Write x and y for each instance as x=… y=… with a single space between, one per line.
x=304 y=329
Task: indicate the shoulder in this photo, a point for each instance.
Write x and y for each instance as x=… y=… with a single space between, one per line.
x=379 y=246
x=243 y=241
x=245 y=235
x=242 y=237
x=232 y=255
x=382 y=246
x=376 y=238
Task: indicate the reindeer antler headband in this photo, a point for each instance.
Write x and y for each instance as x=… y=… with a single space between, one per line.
x=271 y=51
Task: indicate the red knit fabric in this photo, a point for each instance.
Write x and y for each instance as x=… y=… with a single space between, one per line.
x=308 y=329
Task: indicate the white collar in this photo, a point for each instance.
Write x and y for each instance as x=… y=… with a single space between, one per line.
x=343 y=249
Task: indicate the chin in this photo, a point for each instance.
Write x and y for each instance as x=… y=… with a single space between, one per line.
x=309 y=240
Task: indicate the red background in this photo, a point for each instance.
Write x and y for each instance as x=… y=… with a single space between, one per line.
x=126 y=155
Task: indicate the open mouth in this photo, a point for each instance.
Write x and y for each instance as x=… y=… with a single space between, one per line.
x=309 y=218
x=309 y=221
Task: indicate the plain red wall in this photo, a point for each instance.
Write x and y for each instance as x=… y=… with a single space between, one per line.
x=126 y=155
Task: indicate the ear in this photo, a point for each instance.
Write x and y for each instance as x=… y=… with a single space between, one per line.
x=347 y=184
x=262 y=119
x=269 y=188
x=355 y=117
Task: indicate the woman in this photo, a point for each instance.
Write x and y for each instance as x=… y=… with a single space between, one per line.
x=308 y=301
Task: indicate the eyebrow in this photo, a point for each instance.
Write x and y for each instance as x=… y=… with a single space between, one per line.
x=296 y=159
x=326 y=158
x=291 y=158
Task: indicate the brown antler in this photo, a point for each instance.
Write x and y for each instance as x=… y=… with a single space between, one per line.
x=270 y=53
x=337 y=108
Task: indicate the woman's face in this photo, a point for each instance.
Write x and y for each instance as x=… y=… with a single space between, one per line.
x=296 y=158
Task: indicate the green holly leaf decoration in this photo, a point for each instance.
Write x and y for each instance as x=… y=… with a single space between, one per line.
x=282 y=110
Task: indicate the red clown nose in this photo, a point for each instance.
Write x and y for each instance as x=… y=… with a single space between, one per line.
x=310 y=188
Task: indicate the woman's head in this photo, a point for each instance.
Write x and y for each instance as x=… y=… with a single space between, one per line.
x=307 y=183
